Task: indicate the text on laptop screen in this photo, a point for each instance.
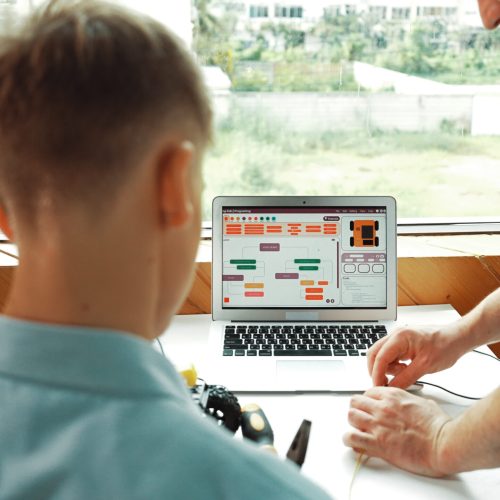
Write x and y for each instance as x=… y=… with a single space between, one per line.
x=311 y=257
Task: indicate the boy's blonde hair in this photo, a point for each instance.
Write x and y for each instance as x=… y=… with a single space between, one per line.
x=85 y=87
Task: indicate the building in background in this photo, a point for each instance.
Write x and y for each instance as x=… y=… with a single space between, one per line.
x=304 y=13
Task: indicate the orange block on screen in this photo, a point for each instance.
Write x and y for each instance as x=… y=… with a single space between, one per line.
x=314 y=297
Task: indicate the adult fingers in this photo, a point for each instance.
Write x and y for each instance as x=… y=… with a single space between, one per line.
x=363 y=403
x=359 y=419
x=358 y=440
x=396 y=368
x=373 y=351
x=392 y=351
x=407 y=376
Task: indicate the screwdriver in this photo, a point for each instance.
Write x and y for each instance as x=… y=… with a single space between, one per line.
x=256 y=427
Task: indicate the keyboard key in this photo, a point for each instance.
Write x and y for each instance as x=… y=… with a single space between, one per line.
x=303 y=353
x=232 y=336
x=302 y=347
x=227 y=352
x=339 y=352
x=290 y=347
x=252 y=353
x=254 y=347
x=266 y=347
x=265 y=353
x=313 y=347
x=353 y=352
x=234 y=346
x=325 y=347
x=233 y=341
x=239 y=352
x=278 y=347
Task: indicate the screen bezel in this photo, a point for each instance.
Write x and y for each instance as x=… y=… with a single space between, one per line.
x=306 y=314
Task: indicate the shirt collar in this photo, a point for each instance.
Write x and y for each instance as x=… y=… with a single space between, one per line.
x=108 y=362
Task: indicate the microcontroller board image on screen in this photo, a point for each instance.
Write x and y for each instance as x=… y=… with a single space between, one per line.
x=364 y=233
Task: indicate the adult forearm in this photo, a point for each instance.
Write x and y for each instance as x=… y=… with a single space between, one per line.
x=480 y=326
x=472 y=440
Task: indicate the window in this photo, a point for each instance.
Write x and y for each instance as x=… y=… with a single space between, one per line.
x=332 y=11
x=259 y=11
x=327 y=107
x=450 y=11
x=401 y=13
x=291 y=12
x=435 y=11
x=349 y=9
x=378 y=12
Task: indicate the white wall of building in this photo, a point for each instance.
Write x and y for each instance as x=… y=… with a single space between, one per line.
x=467 y=10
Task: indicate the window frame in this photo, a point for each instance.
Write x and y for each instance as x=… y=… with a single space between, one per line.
x=424 y=226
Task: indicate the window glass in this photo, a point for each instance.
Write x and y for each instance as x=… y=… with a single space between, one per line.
x=368 y=97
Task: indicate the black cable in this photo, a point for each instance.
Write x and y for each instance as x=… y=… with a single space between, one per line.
x=486 y=354
x=446 y=390
x=456 y=393
x=161 y=347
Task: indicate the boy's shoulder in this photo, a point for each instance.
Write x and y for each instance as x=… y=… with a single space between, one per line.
x=195 y=459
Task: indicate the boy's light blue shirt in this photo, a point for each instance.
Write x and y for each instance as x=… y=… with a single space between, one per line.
x=99 y=414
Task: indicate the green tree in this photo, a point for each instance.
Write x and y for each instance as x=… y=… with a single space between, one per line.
x=212 y=37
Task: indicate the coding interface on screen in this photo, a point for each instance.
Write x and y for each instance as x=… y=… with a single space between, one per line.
x=288 y=257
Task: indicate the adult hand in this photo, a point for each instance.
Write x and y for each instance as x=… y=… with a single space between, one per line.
x=403 y=429
x=428 y=349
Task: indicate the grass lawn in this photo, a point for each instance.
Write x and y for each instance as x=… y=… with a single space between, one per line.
x=430 y=174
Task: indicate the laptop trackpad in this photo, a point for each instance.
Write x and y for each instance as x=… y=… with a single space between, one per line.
x=309 y=374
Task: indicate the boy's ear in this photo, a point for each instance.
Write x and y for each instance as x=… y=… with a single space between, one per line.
x=4 y=224
x=174 y=170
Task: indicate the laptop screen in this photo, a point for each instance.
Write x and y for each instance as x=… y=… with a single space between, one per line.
x=304 y=257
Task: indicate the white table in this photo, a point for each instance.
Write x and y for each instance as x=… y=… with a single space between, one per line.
x=328 y=462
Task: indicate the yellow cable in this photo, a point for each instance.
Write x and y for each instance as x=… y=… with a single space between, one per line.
x=361 y=460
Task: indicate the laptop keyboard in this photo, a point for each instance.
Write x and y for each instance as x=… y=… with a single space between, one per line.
x=300 y=340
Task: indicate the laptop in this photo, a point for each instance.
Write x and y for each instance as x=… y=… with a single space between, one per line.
x=301 y=288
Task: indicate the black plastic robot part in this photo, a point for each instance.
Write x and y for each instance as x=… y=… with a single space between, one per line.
x=224 y=407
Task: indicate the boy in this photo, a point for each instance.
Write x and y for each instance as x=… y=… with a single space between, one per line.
x=103 y=125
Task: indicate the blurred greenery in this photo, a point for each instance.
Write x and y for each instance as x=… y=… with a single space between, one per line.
x=431 y=48
x=445 y=173
x=431 y=174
